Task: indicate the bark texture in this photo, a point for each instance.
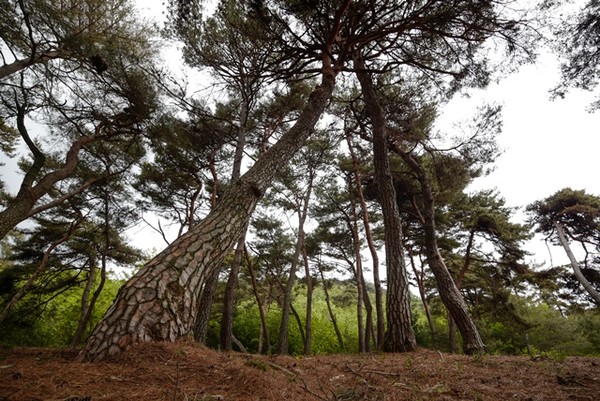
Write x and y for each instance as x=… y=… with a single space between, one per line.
x=399 y=336
x=160 y=302
x=451 y=296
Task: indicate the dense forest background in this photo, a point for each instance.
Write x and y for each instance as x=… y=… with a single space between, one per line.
x=366 y=237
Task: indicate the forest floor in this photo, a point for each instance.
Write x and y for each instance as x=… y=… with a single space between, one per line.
x=183 y=371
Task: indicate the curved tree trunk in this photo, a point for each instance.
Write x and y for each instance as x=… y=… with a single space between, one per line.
x=161 y=300
x=575 y=265
x=451 y=296
x=400 y=336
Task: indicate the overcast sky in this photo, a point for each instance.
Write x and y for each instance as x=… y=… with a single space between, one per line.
x=547 y=144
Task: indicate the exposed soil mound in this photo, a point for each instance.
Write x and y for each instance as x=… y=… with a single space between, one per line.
x=183 y=371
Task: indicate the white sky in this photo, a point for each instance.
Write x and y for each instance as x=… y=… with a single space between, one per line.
x=547 y=144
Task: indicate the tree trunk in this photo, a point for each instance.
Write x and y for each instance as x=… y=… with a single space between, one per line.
x=362 y=345
x=399 y=336
x=459 y=279
x=205 y=303
x=575 y=265
x=309 y=299
x=161 y=300
x=372 y=249
x=226 y=332
x=283 y=346
x=209 y=288
x=336 y=328
x=419 y=277
x=451 y=296
x=264 y=330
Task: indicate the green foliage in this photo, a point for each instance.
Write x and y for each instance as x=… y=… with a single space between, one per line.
x=55 y=324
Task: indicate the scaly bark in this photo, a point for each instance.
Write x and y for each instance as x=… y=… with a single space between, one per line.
x=161 y=300
x=399 y=336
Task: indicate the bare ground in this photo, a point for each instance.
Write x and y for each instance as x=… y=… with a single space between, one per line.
x=184 y=371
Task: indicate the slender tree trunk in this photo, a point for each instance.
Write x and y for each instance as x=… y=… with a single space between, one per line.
x=299 y=323
x=283 y=344
x=421 y=286
x=226 y=334
x=372 y=249
x=575 y=265
x=264 y=330
x=87 y=308
x=85 y=304
x=451 y=296
x=210 y=287
x=160 y=301
x=399 y=336
x=358 y=275
x=369 y=329
x=451 y=323
x=309 y=299
x=332 y=317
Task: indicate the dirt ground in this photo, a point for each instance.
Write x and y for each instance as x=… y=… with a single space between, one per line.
x=184 y=371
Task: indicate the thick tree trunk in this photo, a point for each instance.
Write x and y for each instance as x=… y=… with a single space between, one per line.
x=451 y=296
x=399 y=336
x=575 y=265
x=160 y=301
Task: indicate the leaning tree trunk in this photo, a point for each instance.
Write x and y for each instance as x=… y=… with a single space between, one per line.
x=575 y=265
x=160 y=301
x=399 y=336
x=451 y=296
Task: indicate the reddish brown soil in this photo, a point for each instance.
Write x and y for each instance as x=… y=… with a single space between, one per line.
x=184 y=371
